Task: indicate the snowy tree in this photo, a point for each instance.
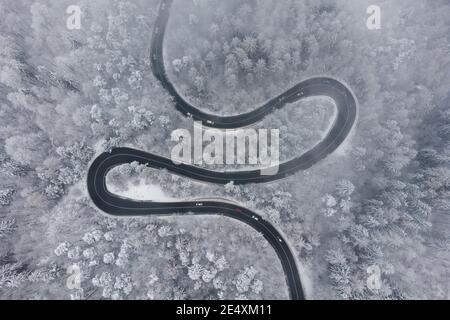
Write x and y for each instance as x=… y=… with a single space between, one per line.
x=124 y=283
x=62 y=248
x=27 y=149
x=7 y=227
x=244 y=279
x=340 y=273
x=12 y=275
x=6 y=196
x=195 y=271
x=344 y=188
x=108 y=258
x=221 y=263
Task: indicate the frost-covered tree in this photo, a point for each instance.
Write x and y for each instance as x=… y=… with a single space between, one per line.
x=12 y=275
x=6 y=196
x=27 y=149
x=7 y=227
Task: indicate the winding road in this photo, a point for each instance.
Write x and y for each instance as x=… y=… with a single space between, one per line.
x=344 y=121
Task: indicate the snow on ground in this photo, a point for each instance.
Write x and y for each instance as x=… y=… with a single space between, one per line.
x=142 y=192
x=307 y=281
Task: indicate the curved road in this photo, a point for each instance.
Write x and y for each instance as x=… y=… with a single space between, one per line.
x=346 y=105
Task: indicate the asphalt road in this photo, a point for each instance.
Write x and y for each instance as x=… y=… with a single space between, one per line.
x=344 y=121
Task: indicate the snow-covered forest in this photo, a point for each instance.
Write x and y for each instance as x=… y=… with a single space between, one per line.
x=67 y=95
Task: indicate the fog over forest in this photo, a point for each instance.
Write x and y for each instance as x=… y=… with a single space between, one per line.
x=381 y=202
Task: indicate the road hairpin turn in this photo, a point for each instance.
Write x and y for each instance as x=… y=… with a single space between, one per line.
x=344 y=121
